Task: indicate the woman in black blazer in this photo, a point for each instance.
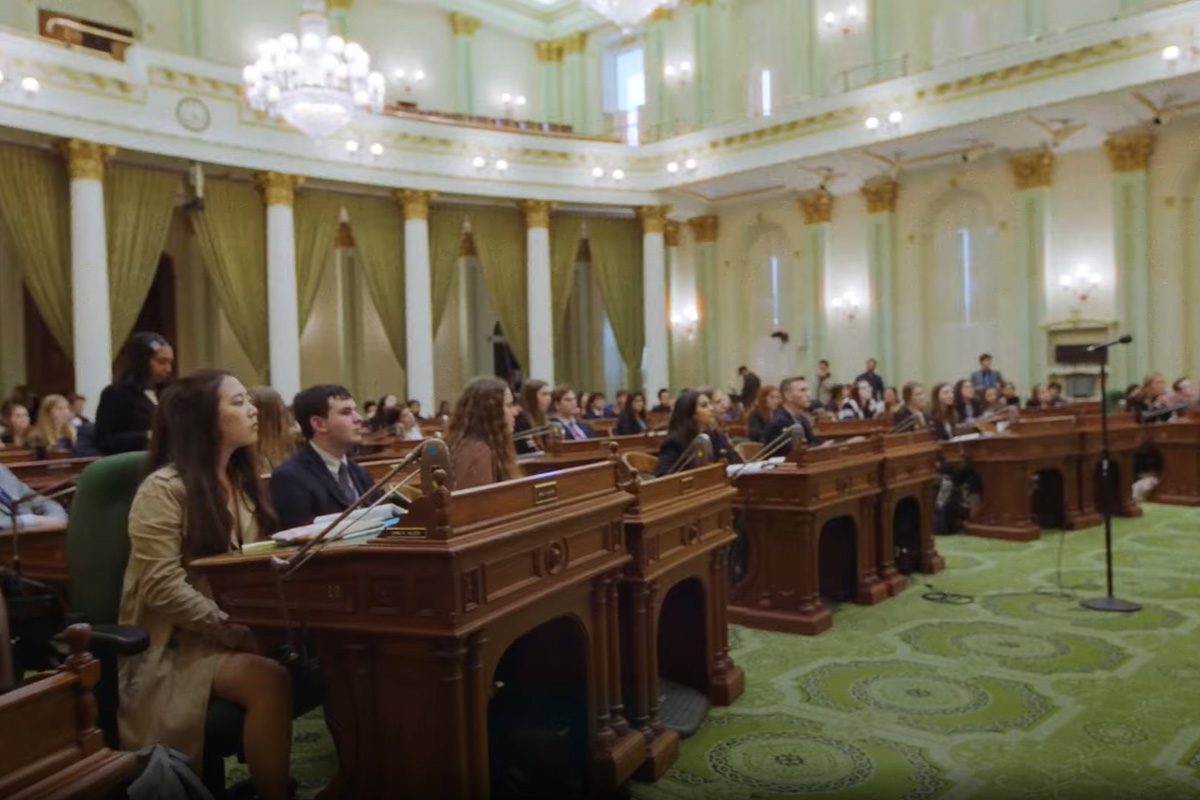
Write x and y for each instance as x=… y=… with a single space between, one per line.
x=633 y=416
x=126 y=409
x=966 y=404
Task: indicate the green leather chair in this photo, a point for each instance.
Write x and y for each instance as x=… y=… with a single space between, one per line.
x=97 y=551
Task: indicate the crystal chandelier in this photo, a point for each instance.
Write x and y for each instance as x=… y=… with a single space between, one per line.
x=626 y=13
x=314 y=81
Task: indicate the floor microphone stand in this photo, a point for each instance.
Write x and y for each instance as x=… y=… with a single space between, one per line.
x=1108 y=602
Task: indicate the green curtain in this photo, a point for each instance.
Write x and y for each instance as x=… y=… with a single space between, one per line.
x=616 y=247
x=139 y=204
x=499 y=235
x=565 y=230
x=317 y=216
x=377 y=224
x=35 y=204
x=445 y=236
x=231 y=233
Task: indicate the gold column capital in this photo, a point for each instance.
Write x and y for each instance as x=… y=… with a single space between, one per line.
x=344 y=238
x=704 y=229
x=1129 y=152
x=817 y=207
x=1033 y=169
x=278 y=188
x=653 y=218
x=86 y=160
x=340 y=4
x=662 y=13
x=671 y=233
x=415 y=202
x=575 y=43
x=537 y=212
x=881 y=195
x=548 y=51
x=463 y=24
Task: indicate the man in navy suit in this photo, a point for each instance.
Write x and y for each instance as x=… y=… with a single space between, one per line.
x=566 y=408
x=320 y=479
x=791 y=412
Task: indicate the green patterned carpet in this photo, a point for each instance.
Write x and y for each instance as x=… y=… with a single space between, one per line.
x=1020 y=694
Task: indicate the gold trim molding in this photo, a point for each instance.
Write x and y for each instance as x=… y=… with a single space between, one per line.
x=653 y=218
x=575 y=43
x=671 y=233
x=881 y=195
x=817 y=207
x=1130 y=152
x=537 y=212
x=278 y=188
x=415 y=202
x=704 y=229
x=463 y=24
x=86 y=160
x=1033 y=170
x=548 y=52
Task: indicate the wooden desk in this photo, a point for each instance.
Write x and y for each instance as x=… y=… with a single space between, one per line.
x=787 y=511
x=435 y=638
x=1006 y=463
x=50 y=746
x=849 y=428
x=38 y=475
x=673 y=598
x=1125 y=436
x=567 y=453
x=1179 y=443
x=909 y=477
x=43 y=554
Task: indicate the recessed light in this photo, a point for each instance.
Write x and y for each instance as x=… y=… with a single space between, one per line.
x=31 y=85
x=351 y=146
x=690 y=163
x=478 y=162
x=597 y=172
x=618 y=174
x=896 y=117
x=1171 y=52
x=501 y=164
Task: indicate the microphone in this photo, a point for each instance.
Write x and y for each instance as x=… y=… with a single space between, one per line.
x=701 y=446
x=793 y=430
x=540 y=430
x=57 y=490
x=1126 y=339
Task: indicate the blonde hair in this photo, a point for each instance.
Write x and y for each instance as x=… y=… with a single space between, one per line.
x=44 y=429
x=276 y=430
x=479 y=415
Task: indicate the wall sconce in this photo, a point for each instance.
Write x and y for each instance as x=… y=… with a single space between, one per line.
x=679 y=74
x=409 y=80
x=686 y=320
x=845 y=22
x=354 y=147
x=617 y=174
x=847 y=306
x=28 y=85
x=511 y=102
x=1081 y=284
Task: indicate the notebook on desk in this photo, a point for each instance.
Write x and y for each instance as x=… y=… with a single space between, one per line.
x=358 y=523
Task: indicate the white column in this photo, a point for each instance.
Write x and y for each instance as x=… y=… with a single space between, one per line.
x=283 y=316
x=671 y=243
x=418 y=297
x=90 y=313
x=538 y=295
x=654 y=293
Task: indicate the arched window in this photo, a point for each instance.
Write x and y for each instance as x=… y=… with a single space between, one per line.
x=772 y=301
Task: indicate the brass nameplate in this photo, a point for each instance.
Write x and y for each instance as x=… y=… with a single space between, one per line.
x=545 y=492
x=686 y=484
x=408 y=533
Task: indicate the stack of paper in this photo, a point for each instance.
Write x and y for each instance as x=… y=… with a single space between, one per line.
x=358 y=522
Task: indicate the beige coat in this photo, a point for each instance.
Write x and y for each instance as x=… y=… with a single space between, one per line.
x=165 y=691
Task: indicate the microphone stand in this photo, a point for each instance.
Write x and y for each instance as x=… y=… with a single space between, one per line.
x=702 y=442
x=774 y=447
x=1108 y=602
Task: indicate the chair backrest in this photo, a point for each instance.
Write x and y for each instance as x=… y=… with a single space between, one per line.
x=98 y=535
x=748 y=450
x=640 y=462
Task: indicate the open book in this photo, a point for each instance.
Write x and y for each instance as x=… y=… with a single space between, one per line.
x=359 y=522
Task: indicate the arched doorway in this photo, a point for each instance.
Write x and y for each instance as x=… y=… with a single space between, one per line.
x=836 y=548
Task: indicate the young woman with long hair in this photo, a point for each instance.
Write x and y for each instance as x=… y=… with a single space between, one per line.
x=861 y=404
x=765 y=403
x=535 y=403
x=966 y=404
x=54 y=429
x=632 y=420
x=278 y=434
x=942 y=412
x=692 y=415
x=481 y=434
x=15 y=417
x=201 y=498
x=126 y=409
x=913 y=395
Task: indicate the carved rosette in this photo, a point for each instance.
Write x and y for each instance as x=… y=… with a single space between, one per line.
x=881 y=195
x=1130 y=152
x=653 y=218
x=415 y=203
x=817 y=207
x=86 y=160
x=671 y=233
x=1033 y=170
x=704 y=229
x=537 y=212
x=463 y=24
x=278 y=188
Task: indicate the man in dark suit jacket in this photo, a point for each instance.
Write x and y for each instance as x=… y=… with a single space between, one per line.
x=565 y=403
x=791 y=412
x=320 y=479
x=871 y=377
x=985 y=376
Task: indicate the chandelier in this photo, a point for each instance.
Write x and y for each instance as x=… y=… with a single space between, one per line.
x=626 y=14
x=314 y=81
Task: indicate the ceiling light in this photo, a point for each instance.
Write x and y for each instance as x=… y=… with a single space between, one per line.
x=31 y=85
x=351 y=146
x=479 y=162
x=618 y=174
x=690 y=163
x=685 y=66
x=506 y=98
x=501 y=164
x=672 y=167
x=597 y=172
x=377 y=149
x=851 y=13
x=872 y=123
x=896 y=117
x=1171 y=52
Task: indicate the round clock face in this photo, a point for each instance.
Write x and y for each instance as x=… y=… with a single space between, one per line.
x=192 y=114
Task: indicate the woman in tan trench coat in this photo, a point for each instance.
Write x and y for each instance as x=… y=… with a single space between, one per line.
x=202 y=498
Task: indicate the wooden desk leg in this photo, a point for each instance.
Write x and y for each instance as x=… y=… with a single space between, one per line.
x=885 y=544
x=870 y=590
x=931 y=562
x=1126 y=505
x=1076 y=512
x=619 y=750
x=662 y=743
x=782 y=589
x=728 y=681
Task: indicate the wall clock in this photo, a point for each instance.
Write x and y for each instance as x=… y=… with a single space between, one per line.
x=193 y=114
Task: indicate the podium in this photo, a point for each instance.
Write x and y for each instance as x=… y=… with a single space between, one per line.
x=1179 y=443
x=673 y=600
x=810 y=525
x=1006 y=464
x=908 y=492
x=1125 y=436
x=475 y=641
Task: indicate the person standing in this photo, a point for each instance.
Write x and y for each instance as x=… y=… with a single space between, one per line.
x=985 y=376
x=873 y=378
x=126 y=409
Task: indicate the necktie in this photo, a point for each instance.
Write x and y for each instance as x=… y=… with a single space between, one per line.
x=576 y=431
x=347 y=486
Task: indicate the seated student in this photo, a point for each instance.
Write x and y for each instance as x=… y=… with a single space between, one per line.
x=1008 y=394
x=891 y=400
x=791 y=412
x=913 y=395
x=1039 y=398
x=692 y=415
x=320 y=479
x=664 y=402
x=480 y=435
x=990 y=401
x=765 y=404
x=278 y=434
x=966 y=404
x=943 y=413
x=535 y=402
x=126 y=408
x=1149 y=402
x=633 y=416
x=722 y=406
x=1056 y=398
x=369 y=412
x=407 y=427
x=613 y=410
x=77 y=402
x=414 y=405
x=36 y=512
x=54 y=428
x=381 y=419
x=566 y=409
x=16 y=423
x=594 y=406
x=1183 y=394
x=837 y=395
x=201 y=498
x=861 y=404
